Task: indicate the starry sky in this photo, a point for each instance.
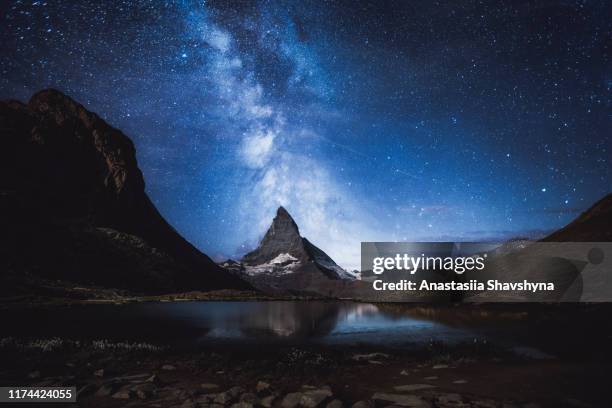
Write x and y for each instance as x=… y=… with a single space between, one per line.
x=369 y=121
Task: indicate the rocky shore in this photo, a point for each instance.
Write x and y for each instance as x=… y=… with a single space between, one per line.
x=113 y=374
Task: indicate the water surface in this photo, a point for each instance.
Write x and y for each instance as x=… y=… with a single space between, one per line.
x=201 y=322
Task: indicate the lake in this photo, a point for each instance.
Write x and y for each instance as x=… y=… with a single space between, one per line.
x=201 y=323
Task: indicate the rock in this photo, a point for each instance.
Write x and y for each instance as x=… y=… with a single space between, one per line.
x=262 y=386
x=123 y=393
x=291 y=400
x=34 y=374
x=235 y=392
x=242 y=404
x=205 y=399
x=402 y=400
x=460 y=382
x=179 y=394
x=228 y=396
x=439 y=366
x=484 y=404
x=335 y=404
x=168 y=367
x=188 y=403
x=449 y=400
x=153 y=380
x=267 y=402
x=208 y=386
x=404 y=372
x=368 y=357
x=313 y=398
x=222 y=398
x=145 y=390
x=99 y=373
x=86 y=390
x=131 y=378
x=363 y=404
x=249 y=397
x=105 y=390
x=412 y=387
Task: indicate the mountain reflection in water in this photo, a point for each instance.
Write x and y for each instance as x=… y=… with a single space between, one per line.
x=200 y=322
x=407 y=326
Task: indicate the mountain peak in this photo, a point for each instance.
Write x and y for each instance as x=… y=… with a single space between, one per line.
x=283 y=236
x=282 y=211
x=284 y=221
x=283 y=243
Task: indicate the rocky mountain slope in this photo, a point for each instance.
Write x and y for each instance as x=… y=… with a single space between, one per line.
x=593 y=225
x=74 y=207
x=574 y=258
x=286 y=261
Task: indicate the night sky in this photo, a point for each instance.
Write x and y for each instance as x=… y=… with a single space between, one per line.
x=381 y=120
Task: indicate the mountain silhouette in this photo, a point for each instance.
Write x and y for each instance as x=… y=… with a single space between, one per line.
x=74 y=205
x=593 y=225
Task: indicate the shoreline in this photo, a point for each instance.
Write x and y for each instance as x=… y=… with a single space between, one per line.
x=112 y=374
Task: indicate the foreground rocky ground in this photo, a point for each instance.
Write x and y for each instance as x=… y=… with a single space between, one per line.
x=111 y=374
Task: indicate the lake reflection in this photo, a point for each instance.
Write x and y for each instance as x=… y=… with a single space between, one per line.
x=193 y=323
x=326 y=322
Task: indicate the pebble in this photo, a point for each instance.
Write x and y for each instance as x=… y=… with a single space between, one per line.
x=123 y=393
x=262 y=386
x=242 y=404
x=363 y=404
x=401 y=399
x=313 y=398
x=105 y=390
x=335 y=404
x=267 y=402
x=291 y=400
x=371 y=356
x=413 y=387
x=249 y=397
x=188 y=404
x=34 y=374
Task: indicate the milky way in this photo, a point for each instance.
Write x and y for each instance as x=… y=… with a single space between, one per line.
x=368 y=120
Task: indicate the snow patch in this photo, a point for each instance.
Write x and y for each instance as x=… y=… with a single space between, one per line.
x=283 y=258
x=282 y=264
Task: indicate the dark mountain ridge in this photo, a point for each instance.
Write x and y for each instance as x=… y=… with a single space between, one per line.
x=74 y=205
x=593 y=225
